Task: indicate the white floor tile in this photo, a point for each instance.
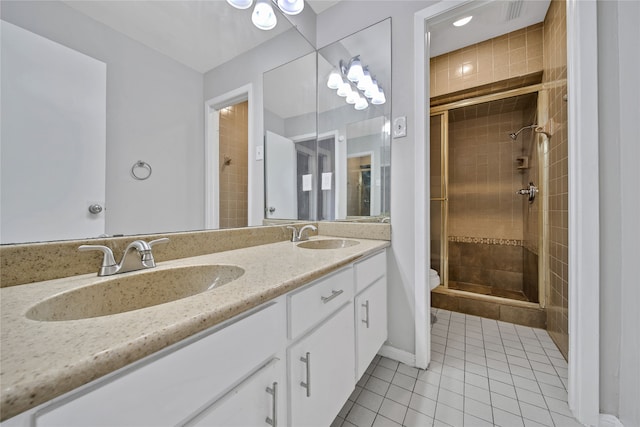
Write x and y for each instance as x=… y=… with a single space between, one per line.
x=422 y=404
x=538 y=357
x=381 y=421
x=505 y=403
x=377 y=386
x=476 y=380
x=522 y=372
x=417 y=419
x=531 y=398
x=426 y=389
x=556 y=392
x=502 y=376
x=404 y=381
x=355 y=393
x=506 y=419
x=474 y=368
x=393 y=410
x=344 y=411
x=502 y=388
x=452 y=384
x=402 y=396
x=478 y=409
x=348 y=424
x=453 y=372
x=337 y=422
x=564 y=421
x=451 y=399
x=500 y=365
x=471 y=421
x=553 y=380
x=408 y=370
x=519 y=361
x=388 y=363
x=477 y=393
x=449 y=415
x=543 y=367
x=536 y=414
x=558 y=406
x=370 y=400
x=361 y=416
x=383 y=373
x=430 y=376
x=526 y=384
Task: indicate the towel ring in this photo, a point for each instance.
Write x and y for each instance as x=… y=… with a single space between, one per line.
x=141 y=170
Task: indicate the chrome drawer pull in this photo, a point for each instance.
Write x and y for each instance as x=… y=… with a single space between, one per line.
x=366 y=313
x=332 y=296
x=307 y=385
x=273 y=390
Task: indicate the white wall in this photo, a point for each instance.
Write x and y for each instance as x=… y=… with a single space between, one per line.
x=334 y=24
x=248 y=69
x=154 y=114
x=619 y=95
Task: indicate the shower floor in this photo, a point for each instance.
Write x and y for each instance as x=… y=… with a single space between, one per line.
x=488 y=290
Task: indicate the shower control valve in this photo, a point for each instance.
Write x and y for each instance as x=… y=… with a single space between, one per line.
x=531 y=192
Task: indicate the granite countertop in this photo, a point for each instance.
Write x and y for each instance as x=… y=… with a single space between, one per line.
x=41 y=360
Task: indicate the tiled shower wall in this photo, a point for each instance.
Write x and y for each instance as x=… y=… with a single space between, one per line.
x=511 y=55
x=555 y=70
x=233 y=176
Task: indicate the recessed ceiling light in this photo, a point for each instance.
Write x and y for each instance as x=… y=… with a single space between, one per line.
x=463 y=21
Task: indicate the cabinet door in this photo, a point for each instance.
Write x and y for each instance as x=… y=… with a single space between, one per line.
x=321 y=367
x=257 y=401
x=371 y=323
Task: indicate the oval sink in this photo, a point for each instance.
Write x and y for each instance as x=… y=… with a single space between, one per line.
x=132 y=292
x=328 y=244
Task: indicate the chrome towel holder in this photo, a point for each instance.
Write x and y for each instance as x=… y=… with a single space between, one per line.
x=141 y=170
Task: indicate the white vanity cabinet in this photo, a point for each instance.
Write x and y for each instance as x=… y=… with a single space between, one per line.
x=321 y=363
x=176 y=384
x=257 y=401
x=370 y=310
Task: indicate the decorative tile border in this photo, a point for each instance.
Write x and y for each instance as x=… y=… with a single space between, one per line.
x=486 y=240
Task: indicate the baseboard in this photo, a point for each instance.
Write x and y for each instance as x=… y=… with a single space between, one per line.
x=608 y=420
x=397 y=354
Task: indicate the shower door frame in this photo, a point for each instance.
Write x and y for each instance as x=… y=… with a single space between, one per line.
x=542 y=144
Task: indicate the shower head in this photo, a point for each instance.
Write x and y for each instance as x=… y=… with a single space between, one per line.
x=514 y=135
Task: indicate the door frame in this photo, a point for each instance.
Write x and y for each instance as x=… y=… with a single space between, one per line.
x=584 y=245
x=212 y=108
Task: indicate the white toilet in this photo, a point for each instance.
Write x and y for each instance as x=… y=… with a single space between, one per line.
x=434 y=279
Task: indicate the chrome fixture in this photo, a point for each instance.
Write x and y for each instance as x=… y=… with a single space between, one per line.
x=530 y=192
x=354 y=82
x=263 y=16
x=385 y=219
x=298 y=236
x=128 y=262
x=514 y=135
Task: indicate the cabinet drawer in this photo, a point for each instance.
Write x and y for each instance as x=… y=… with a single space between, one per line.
x=370 y=270
x=310 y=305
x=171 y=385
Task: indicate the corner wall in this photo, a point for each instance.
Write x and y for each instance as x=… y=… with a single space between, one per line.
x=334 y=24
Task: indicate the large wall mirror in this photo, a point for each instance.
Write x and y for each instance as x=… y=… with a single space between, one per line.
x=103 y=107
x=327 y=152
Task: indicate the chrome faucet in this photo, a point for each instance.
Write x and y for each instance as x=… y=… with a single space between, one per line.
x=298 y=236
x=129 y=261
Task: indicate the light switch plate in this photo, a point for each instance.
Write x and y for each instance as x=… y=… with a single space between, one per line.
x=259 y=152
x=400 y=127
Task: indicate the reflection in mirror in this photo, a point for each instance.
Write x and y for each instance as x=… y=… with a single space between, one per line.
x=126 y=82
x=333 y=163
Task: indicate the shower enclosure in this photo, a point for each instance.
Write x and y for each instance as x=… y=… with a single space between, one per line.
x=488 y=204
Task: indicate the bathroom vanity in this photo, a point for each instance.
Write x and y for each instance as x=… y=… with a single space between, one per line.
x=283 y=344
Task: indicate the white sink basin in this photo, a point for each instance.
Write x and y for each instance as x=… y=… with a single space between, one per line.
x=327 y=244
x=125 y=293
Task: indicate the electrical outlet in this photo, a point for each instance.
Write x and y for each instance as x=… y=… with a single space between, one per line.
x=259 y=152
x=400 y=127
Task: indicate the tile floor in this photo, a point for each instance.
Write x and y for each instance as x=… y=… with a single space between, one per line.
x=483 y=372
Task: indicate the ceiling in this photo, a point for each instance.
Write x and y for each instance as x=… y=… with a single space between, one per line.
x=491 y=18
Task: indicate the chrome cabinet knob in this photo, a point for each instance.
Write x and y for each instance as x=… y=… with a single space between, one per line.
x=95 y=209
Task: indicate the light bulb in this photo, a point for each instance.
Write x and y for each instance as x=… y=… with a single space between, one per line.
x=353 y=96
x=240 y=4
x=378 y=98
x=361 y=104
x=335 y=80
x=372 y=89
x=344 y=89
x=365 y=81
x=355 y=70
x=263 y=15
x=291 y=7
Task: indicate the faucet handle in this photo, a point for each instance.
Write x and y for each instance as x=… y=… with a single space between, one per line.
x=155 y=242
x=108 y=262
x=294 y=237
